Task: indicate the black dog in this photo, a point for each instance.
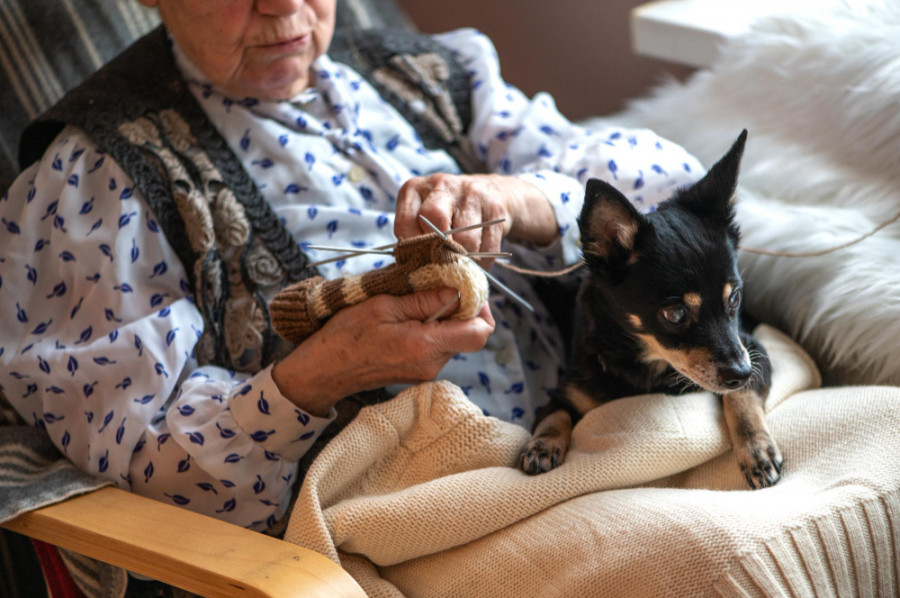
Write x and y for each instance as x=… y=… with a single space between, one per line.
x=658 y=311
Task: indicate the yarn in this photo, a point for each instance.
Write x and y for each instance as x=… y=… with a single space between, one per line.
x=422 y=263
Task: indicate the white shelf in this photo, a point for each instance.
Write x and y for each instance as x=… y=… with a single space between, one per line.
x=691 y=32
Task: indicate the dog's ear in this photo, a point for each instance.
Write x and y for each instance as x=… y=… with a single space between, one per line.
x=609 y=224
x=713 y=195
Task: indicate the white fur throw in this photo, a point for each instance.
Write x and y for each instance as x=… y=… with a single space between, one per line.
x=820 y=96
x=420 y=496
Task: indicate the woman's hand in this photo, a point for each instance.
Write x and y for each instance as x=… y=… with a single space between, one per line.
x=451 y=201
x=383 y=340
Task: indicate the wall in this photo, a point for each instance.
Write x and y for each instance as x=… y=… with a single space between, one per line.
x=578 y=50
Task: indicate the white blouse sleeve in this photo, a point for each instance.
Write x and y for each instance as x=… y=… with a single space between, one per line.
x=530 y=138
x=97 y=332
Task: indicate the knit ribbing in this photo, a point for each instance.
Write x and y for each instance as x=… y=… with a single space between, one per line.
x=847 y=552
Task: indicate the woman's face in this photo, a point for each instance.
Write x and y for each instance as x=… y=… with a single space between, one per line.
x=251 y=48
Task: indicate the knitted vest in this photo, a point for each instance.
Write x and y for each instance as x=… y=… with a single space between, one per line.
x=234 y=249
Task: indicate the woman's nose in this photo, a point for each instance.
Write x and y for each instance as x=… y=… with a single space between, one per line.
x=278 y=7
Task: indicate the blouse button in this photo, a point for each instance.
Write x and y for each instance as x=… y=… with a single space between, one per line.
x=356 y=174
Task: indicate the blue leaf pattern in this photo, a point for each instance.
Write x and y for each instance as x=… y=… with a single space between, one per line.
x=120 y=432
x=225 y=432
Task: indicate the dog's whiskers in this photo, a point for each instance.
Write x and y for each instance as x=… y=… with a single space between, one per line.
x=687 y=385
x=678 y=379
x=756 y=373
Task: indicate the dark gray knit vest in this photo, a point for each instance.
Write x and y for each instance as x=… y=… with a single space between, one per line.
x=235 y=251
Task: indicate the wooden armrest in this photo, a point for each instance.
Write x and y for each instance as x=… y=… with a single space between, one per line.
x=184 y=549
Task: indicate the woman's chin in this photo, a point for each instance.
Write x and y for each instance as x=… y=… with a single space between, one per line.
x=279 y=81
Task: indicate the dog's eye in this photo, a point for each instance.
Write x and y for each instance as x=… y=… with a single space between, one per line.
x=674 y=315
x=735 y=299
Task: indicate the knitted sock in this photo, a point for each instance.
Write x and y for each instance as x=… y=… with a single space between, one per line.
x=422 y=263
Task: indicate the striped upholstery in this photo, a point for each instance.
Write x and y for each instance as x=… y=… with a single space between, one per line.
x=371 y=14
x=49 y=46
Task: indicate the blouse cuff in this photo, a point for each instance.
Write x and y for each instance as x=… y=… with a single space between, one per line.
x=566 y=196
x=273 y=421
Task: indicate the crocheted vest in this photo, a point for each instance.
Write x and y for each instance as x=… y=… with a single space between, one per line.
x=234 y=249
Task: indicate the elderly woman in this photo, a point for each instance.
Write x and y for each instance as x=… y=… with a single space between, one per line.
x=171 y=195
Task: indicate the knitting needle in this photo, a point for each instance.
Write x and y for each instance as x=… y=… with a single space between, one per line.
x=512 y=294
x=355 y=252
x=432 y=227
x=494 y=254
x=474 y=226
x=497 y=254
x=444 y=309
x=508 y=291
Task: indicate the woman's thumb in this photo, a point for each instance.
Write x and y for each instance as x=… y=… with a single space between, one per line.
x=428 y=305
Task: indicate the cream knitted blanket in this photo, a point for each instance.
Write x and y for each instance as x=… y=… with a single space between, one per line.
x=420 y=496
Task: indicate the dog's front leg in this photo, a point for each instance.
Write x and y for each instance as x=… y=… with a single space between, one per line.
x=549 y=443
x=756 y=451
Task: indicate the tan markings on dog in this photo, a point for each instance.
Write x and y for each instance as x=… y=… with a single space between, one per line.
x=726 y=294
x=580 y=400
x=625 y=234
x=547 y=448
x=693 y=301
x=753 y=446
x=611 y=225
x=556 y=425
x=635 y=321
x=744 y=413
x=696 y=364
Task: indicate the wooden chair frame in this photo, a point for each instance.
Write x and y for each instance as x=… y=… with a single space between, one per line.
x=184 y=549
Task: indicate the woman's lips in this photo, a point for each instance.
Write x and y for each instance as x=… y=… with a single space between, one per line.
x=288 y=45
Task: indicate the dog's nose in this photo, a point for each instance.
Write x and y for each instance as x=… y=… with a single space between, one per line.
x=735 y=375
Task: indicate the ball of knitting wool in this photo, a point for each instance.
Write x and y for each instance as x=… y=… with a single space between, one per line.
x=464 y=275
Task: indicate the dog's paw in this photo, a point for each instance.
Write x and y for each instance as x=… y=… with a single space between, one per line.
x=760 y=461
x=542 y=454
